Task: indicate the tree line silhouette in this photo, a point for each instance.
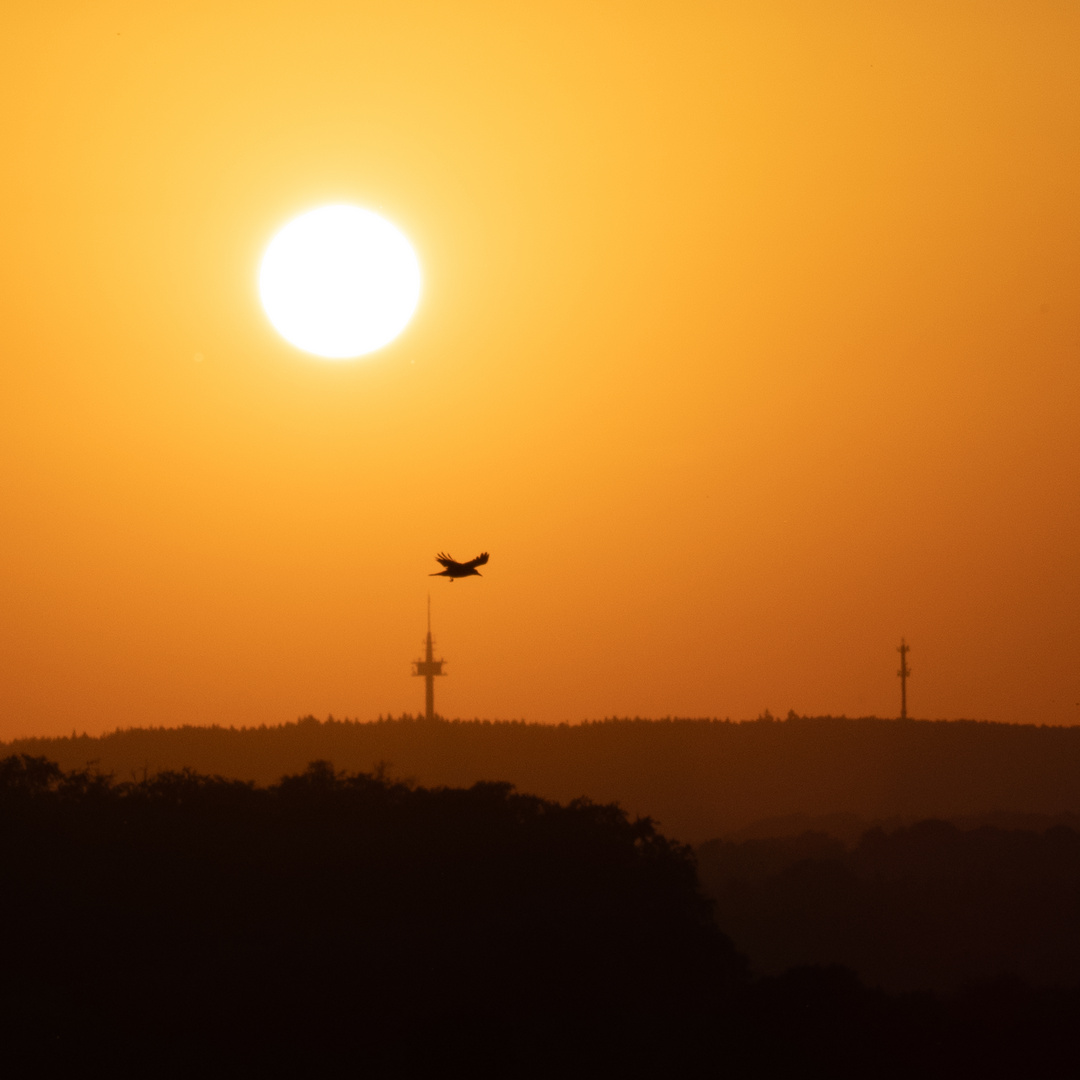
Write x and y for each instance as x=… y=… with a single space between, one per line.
x=331 y=919
x=700 y=779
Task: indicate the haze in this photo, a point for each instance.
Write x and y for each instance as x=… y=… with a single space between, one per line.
x=749 y=342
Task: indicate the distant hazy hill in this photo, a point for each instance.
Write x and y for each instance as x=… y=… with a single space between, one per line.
x=927 y=907
x=698 y=778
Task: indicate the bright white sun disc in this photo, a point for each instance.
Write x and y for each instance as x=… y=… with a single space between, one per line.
x=339 y=282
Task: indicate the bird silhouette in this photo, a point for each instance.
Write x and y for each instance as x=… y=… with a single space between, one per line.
x=454 y=569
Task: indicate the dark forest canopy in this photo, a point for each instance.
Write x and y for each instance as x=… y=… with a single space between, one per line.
x=195 y=914
x=699 y=778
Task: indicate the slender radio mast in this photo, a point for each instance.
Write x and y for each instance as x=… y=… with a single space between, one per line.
x=904 y=672
x=429 y=667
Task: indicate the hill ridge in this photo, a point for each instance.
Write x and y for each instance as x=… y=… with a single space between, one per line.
x=699 y=778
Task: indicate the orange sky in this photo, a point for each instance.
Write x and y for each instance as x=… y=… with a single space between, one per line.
x=750 y=341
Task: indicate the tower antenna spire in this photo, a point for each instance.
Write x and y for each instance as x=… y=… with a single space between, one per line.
x=904 y=672
x=429 y=667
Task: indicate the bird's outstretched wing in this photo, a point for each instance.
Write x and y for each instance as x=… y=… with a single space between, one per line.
x=480 y=559
x=446 y=560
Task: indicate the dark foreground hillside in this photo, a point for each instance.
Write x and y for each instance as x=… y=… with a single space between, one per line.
x=349 y=924
x=190 y=917
x=699 y=779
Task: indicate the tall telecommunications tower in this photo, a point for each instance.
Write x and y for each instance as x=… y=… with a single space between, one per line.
x=904 y=672
x=429 y=667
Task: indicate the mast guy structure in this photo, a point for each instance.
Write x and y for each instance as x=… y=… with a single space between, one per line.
x=904 y=672
x=429 y=667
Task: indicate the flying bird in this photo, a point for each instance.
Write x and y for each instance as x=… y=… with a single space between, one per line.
x=453 y=569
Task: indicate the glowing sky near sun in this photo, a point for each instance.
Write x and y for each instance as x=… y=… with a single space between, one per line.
x=749 y=342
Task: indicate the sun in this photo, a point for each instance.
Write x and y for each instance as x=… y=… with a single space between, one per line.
x=339 y=282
